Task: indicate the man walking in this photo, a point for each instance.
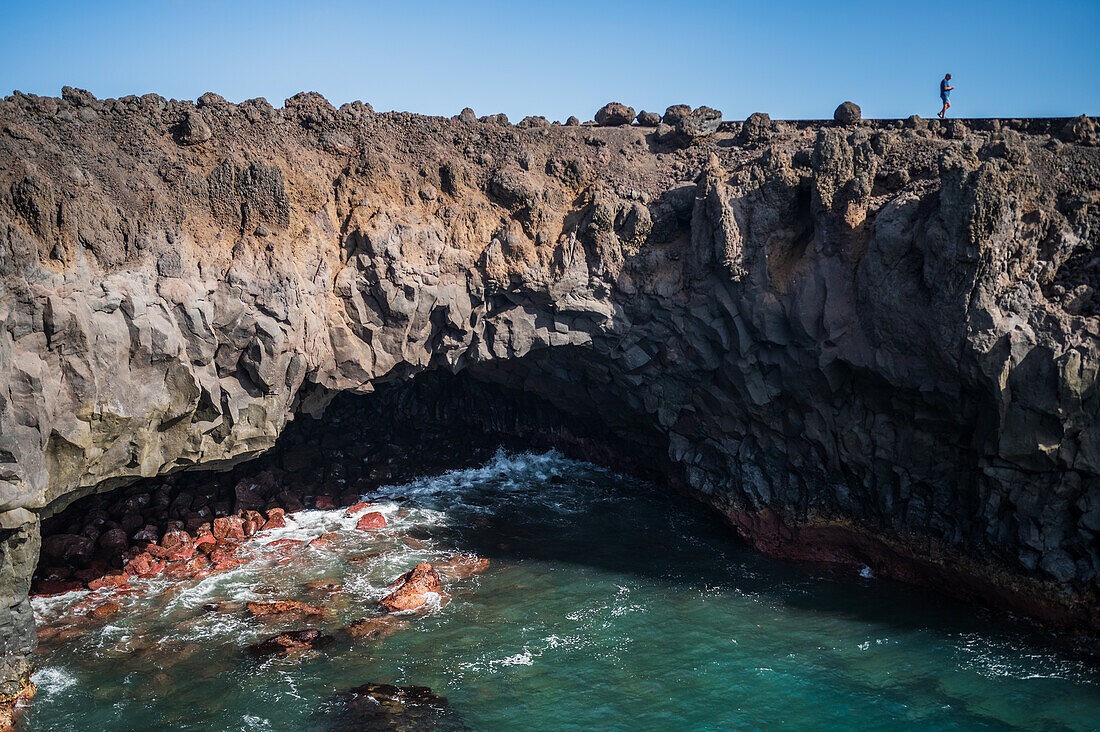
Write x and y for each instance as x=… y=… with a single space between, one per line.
x=945 y=94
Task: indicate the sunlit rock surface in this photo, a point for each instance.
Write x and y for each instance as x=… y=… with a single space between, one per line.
x=871 y=343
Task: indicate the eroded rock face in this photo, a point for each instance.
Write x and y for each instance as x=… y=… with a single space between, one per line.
x=881 y=338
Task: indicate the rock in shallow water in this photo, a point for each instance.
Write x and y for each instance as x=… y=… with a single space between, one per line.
x=411 y=590
x=387 y=707
x=294 y=641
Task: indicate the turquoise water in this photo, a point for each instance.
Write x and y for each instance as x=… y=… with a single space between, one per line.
x=607 y=606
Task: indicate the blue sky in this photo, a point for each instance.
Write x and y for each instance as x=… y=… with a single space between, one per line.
x=792 y=59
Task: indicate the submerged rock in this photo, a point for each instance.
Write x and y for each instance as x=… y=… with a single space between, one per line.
x=375 y=628
x=462 y=566
x=411 y=590
x=284 y=607
x=387 y=707
x=294 y=641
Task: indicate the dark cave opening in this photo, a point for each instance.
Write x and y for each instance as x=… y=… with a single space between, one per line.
x=407 y=428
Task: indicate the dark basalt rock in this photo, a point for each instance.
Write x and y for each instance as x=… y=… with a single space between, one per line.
x=848 y=113
x=614 y=114
x=884 y=339
x=388 y=707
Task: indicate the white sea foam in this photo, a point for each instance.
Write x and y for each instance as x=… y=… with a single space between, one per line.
x=52 y=679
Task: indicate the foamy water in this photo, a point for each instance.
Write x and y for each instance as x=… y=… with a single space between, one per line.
x=607 y=605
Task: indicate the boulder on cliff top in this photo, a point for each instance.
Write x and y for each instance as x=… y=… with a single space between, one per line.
x=648 y=119
x=614 y=114
x=675 y=113
x=533 y=122
x=848 y=113
x=1081 y=130
x=756 y=128
x=210 y=99
x=699 y=123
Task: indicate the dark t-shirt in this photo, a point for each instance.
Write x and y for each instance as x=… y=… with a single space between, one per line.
x=943 y=88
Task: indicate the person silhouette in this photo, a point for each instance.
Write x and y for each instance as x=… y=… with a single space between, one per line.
x=945 y=94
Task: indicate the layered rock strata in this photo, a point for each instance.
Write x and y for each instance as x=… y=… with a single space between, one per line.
x=868 y=342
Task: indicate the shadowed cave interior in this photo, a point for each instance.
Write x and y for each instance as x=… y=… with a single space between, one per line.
x=431 y=422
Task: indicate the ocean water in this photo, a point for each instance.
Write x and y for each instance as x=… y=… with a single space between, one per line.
x=607 y=605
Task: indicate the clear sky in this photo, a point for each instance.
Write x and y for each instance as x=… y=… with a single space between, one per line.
x=792 y=59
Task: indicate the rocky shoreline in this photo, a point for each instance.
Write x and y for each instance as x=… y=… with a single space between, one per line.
x=865 y=341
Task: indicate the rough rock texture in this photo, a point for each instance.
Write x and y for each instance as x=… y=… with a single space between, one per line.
x=848 y=113
x=868 y=344
x=614 y=114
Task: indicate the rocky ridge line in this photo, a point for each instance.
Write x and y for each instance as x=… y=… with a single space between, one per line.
x=864 y=341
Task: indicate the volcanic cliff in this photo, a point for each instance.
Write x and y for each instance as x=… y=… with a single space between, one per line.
x=873 y=342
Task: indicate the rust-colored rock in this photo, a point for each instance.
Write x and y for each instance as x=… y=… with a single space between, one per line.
x=375 y=628
x=276 y=519
x=228 y=528
x=412 y=589
x=284 y=607
x=144 y=565
x=372 y=520
x=462 y=566
x=109 y=581
x=358 y=508
x=105 y=610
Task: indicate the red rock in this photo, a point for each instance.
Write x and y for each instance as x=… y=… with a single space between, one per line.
x=109 y=580
x=276 y=519
x=372 y=520
x=227 y=564
x=375 y=628
x=174 y=538
x=182 y=553
x=357 y=509
x=223 y=552
x=462 y=566
x=319 y=544
x=324 y=503
x=329 y=536
x=412 y=589
x=204 y=540
x=189 y=568
x=105 y=610
x=283 y=607
x=46 y=633
x=286 y=542
x=144 y=565
x=228 y=528
x=46 y=588
x=253 y=516
x=157 y=552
